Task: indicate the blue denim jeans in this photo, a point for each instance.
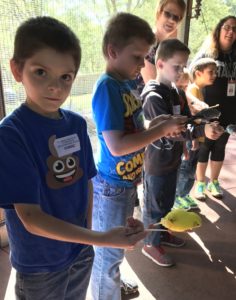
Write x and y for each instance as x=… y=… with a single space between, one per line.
x=159 y=197
x=69 y=284
x=112 y=205
x=186 y=174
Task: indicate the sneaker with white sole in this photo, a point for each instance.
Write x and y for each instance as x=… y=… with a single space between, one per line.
x=200 y=191
x=180 y=203
x=191 y=202
x=215 y=189
x=128 y=287
x=158 y=255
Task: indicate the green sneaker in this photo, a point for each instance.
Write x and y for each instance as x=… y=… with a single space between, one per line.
x=200 y=191
x=215 y=189
x=181 y=203
x=191 y=202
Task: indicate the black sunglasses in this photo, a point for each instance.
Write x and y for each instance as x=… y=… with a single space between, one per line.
x=171 y=16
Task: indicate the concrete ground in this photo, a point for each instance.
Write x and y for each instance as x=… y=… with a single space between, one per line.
x=205 y=267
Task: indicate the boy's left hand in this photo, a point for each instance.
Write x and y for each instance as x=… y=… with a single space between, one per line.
x=213 y=130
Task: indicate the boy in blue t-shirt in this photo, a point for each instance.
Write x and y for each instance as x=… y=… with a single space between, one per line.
x=118 y=115
x=46 y=170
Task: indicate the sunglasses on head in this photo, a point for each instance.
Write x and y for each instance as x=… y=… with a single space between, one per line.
x=229 y=27
x=171 y=16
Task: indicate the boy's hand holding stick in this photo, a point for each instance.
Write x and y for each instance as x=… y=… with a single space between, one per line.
x=175 y=125
x=125 y=237
x=157 y=120
x=171 y=125
x=205 y=115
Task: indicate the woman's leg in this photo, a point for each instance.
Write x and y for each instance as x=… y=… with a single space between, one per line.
x=201 y=171
x=216 y=163
x=215 y=167
x=204 y=152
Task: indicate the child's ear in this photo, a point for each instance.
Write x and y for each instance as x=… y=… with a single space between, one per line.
x=16 y=71
x=111 y=51
x=198 y=73
x=159 y=64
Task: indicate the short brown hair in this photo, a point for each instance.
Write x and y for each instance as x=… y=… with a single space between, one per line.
x=45 y=32
x=169 y=47
x=200 y=65
x=124 y=27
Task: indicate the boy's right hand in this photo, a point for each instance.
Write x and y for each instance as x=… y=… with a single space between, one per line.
x=125 y=237
x=174 y=126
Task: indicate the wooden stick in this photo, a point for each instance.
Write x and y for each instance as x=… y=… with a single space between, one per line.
x=155 y=229
x=214 y=106
x=156 y=224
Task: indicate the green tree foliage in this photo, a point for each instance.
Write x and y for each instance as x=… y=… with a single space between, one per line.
x=211 y=13
x=12 y=13
x=232 y=5
x=88 y=18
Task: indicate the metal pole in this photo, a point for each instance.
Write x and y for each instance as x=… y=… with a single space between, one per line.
x=183 y=32
x=2 y=105
x=188 y=20
x=3 y=231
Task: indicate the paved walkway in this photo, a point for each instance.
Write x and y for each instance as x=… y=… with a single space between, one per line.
x=205 y=268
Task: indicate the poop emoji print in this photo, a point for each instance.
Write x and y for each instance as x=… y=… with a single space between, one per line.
x=63 y=164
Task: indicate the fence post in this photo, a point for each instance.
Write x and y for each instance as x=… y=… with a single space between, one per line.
x=183 y=32
x=3 y=231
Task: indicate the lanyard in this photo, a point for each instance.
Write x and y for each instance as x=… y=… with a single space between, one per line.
x=229 y=64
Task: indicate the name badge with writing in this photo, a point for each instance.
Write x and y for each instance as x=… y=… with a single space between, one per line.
x=176 y=110
x=67 y=145
x=231 y=88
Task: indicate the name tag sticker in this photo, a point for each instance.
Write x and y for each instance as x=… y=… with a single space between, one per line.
x=67 y=145
x=176 y=110
x=231 y=89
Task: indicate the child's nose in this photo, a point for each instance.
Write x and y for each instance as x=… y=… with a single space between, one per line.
x=54 y=84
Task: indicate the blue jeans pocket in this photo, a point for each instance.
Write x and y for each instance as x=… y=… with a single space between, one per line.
x=106 y=189
x=112 y=191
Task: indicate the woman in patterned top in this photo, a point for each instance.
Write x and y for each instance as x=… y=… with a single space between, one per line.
x=169 y=14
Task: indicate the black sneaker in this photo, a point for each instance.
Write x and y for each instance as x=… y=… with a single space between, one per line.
x=128 y=287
